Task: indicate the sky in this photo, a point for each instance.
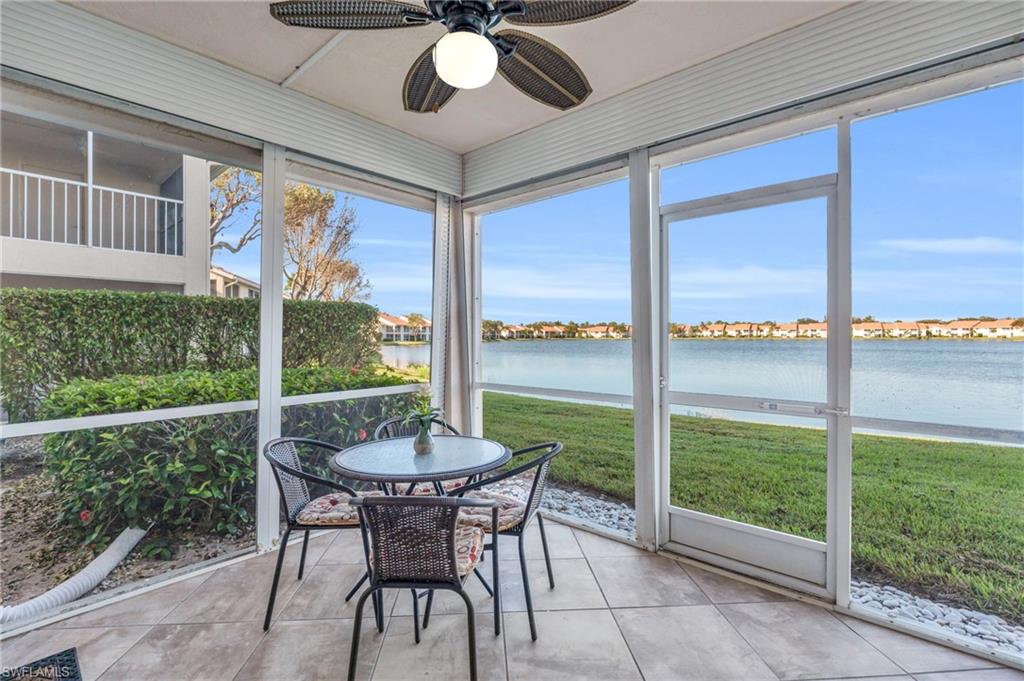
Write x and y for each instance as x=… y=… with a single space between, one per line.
x=938 y=231
x=393 y=244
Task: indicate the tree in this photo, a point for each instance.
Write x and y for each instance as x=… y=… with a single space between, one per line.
x=235 y=193
x=317 y=241
x=807 y=320
x=416 y=319
x=491 y=328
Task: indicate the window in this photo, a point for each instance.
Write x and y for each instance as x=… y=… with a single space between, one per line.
x=556 y=315
x=106 y=241
x=794 y=158
x=938 y=237
x=938 y=270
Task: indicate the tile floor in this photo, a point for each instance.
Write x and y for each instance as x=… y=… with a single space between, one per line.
x=617 y=614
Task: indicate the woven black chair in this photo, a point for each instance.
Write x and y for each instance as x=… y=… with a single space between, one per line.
x=417 y=543
x=330 y=511
x=397 y=426
x=517 y=494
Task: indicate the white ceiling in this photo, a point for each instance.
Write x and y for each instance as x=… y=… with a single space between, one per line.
x=365 y=71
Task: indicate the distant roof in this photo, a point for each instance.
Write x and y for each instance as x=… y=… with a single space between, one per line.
x=995 y=324
x=399 y=320
x=227 y=274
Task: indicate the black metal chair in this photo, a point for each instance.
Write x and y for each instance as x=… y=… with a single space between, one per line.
x=417 y=543
x=516 y=507
x=397 y=426
x=330 y=511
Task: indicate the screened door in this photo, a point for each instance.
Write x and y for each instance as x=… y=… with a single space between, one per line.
x=749 y=395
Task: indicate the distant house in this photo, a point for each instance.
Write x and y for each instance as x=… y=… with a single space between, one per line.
x=395 y=328
x=682 y=330
x=902 y=329
x=602 y=331
x=1000 y=328
x=868 y=330
x=813 y=330
x=962 y=328
x=763 y=330
x=551 y=332
x=739 y=330
x=712 y=330
x=225 y=284
x=934 y=329
x=789 y=330
x=515 y=331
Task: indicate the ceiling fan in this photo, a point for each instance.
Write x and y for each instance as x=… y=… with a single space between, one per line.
x=469 y=54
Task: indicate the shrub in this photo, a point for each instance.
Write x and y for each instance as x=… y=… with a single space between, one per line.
x=49 y=337
x=193 y=473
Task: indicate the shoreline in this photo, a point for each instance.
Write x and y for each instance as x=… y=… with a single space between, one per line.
x=742 y=338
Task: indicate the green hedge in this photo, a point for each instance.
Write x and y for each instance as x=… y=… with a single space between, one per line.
x=194 y=474
x=49 y=337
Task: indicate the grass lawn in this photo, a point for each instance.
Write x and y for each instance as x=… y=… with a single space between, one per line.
x=940 y=519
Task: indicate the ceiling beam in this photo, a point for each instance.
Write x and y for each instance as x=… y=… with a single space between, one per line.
x=314 y=58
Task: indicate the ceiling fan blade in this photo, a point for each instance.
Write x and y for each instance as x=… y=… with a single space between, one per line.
x=542 y=71
x=349 y=15
x=424 y=91
x=554 y=12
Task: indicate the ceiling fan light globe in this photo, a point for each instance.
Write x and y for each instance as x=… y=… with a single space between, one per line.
x=465 y=60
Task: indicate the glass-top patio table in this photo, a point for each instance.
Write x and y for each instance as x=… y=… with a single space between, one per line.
x=392 y=460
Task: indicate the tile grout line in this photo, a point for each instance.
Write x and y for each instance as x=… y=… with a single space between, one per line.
x=872 y=645
x=99 y=677
x=739 y=633
x=608 y=608
x=907 y=671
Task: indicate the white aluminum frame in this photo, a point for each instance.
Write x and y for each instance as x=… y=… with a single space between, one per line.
x=796 y=562
x=268 y=512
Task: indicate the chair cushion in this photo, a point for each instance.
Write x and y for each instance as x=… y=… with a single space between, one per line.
x=517 y=487
x=427 y=488
x=332 y=509
x=469 y=547
x=510 y=511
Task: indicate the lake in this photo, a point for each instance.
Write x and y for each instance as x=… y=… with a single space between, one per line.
x=972 y=383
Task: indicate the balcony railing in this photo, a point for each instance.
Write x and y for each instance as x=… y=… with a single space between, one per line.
x=44 y=208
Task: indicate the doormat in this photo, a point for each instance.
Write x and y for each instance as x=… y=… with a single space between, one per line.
x=60 y=667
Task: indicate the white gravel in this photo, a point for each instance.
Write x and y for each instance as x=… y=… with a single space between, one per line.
x=603 y=511
x=988 y=630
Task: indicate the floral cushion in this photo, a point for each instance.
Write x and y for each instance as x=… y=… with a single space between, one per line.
x=469 y=547
x=332 y=509
x=517 y=487
x=510 y=511
x=427 y=488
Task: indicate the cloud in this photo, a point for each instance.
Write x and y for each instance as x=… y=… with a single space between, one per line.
x=978 y=245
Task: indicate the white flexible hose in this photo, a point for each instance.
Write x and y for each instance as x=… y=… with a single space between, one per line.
x=82 y=583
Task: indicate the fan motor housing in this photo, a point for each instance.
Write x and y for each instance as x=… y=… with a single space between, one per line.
x=477 y=16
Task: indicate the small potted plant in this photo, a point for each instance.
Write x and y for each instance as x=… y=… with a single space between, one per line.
x=424 y=415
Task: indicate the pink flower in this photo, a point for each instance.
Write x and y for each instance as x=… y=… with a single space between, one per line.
x=361 y=434
x=354 y=370
x=85 y=516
